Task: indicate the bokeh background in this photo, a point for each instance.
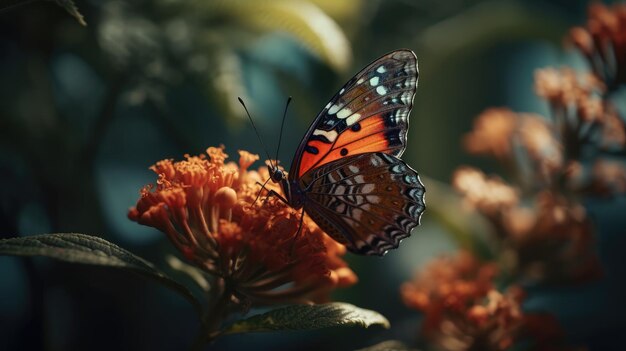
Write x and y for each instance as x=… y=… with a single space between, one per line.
x=85 y=110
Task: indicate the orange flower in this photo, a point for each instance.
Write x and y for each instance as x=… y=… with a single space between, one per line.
x=538 y=139
x=589 y=128
x=606 y=177
x=552 y=239
x=562 y=87
x=555 y=242
x=487 y=194
x=603 y=41
x=492 y=133
x=526 y=141
x=207 y=209
x=462 y=309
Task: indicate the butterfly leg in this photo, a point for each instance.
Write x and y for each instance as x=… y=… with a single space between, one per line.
x=270 y=193
x=262 y=188
x=279 y=196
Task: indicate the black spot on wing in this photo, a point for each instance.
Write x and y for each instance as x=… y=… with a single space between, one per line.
x=320 y=137
x=311 y=149
x=394 y=138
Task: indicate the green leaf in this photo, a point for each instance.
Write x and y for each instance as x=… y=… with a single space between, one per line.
x=68 y=5
x=309 y=317
x=92 y=250
x=71 y=8
x=389 y=345
x=196 y=275
x=304 y=20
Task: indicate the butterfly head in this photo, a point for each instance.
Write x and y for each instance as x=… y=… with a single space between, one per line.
x=276 y=174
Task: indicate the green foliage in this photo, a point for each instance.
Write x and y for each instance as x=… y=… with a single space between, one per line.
x=207 y=40
x=68 y=5
x=309 y=317
x=91 y=250
x=72 y=9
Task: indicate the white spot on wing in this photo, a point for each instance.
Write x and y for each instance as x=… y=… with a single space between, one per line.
x=341 y=91
x=375 y=161
x=381 y=90
x=353 y=168
x=359 y=81
x=340 y=189
x=331 y=135
x=359 y=179
x=333 y=109
x=381 y=69
x=406 y=98
x=353 y=119
x=345 y=112
x=328 y=105
x=374 y=81
x=373 y=199
x=340 y=208
x=368 y=188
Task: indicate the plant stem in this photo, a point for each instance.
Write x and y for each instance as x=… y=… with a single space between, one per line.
x=215 y=314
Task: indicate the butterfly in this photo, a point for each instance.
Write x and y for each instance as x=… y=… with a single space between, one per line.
x=346 y=174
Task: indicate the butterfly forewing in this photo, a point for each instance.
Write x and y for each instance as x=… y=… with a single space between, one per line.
x=369 y=114
x=368 y=202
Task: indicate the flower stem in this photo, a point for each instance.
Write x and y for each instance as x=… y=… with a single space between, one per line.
x=218 y=310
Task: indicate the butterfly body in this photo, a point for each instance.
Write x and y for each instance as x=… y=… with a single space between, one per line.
x=347 y=174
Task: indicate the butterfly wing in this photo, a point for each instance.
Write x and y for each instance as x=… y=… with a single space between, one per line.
x=368 y=202
x=369 y=114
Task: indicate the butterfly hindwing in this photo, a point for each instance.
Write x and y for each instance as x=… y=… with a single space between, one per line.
x=369 y=114
x=368 y=202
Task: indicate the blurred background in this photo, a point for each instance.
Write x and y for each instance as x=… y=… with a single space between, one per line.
x=85 y=110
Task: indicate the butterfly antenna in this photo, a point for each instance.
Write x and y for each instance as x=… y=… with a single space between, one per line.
x=282 y=125
x=255 y=129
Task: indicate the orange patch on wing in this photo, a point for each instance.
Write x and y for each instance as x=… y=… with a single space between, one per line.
x=372 y=125
x=371 y=143
x=309 y=160
x=369 y=138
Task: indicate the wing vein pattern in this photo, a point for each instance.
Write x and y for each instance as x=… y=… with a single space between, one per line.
x=369 y=202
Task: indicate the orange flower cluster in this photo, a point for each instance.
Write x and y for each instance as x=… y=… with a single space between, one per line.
x=208 y=210
x=603 y=41
x=544 y=233
x=579 y=150
x=581 y=109
x=548 y=238
x=461 y=306
x=506 y=135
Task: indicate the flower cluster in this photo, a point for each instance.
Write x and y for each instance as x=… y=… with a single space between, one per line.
x=547 y=238
x=209 y=210
x=463 y=310
x=603 y=41
x=543 y=232
x=592 y=132
x=552 y=162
